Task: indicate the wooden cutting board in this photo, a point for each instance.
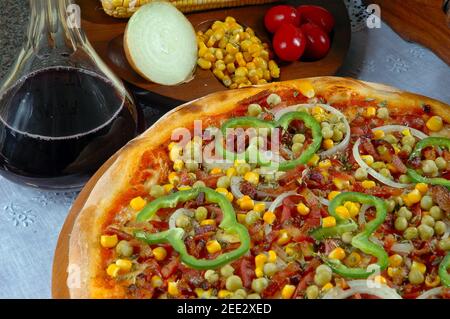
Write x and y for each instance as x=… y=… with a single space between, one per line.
x=421 y=21
x=106 y=35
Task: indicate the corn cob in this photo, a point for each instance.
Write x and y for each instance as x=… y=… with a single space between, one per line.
x=126 y=8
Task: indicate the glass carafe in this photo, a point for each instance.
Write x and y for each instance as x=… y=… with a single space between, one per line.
x=62 y=111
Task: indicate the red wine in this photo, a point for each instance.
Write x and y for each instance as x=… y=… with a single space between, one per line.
x=58 y=125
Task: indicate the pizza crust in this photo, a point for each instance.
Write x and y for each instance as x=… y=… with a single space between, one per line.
x=84 y=240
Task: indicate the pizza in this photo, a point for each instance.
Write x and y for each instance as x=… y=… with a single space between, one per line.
x=323 y=187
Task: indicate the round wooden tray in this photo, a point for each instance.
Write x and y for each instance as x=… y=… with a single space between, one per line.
x=106 y=35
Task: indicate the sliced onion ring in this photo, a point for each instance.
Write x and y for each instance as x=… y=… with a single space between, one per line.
x=431 y=293
x=178 y=213
x=361 y=286
x=342 y=145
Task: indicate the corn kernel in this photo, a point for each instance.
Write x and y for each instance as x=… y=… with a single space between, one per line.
x=325 y=163
x=406 y=132
x=272 y=256
x=414 y=196
x=327 y=286
x=283 y=237
x=329 y=221
x=333 y=194
x=269 y=217
x=367 y=184
x=342 y=212
x=352 y=208
x=124 y=264
x=109 y=241
x=246 y=203
x=395 y=260
x=174 y=179
x=380 y=279
x=422 y=188
x=328 y=143
x=432 y=281
x=419 y=266
x=314 y=160
x=252 y=177
x=306 y=89
x=337 y=253
x=168 y=188
x=219 y=74
x=317 y=110
x=341 y=183
x=231 y=172
x=172 y=289
x=229 y=196
x=216 y=170
x=302 y=209
x=203 y=63
x=287 y=291
x=370 y=111
x=156 y=281
x=435 y=123
x=113 y=270
x=160 y=253
x=259 y=272
x=208 y=222
x=138 y=203
x=353 y=259
x=368 y=159
x=260 y=260
x=222 y=190
x=393 y=272
x=222 y=294
x=378 y=134
x=259 y=207
x=213 y=246
x=178 y=165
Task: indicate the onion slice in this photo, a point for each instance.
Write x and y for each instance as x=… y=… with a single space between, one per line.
x=370 y=170
x=178 y=213
x=431 y=293
x=362 y=287
x=339 y=147
x=279 y=200
x=160 y=44
x=402 y=248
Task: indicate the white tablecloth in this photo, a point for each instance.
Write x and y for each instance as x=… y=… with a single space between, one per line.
x=30 y=220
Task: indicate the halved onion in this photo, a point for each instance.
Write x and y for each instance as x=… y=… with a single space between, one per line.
x=362 y=287
x=432 y=293
x=370 y=170
x=178 y=213
x=235 y=187
x=160 y=44
x=339 y=147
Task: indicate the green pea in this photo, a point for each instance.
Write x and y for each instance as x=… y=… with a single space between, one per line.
x=270 y=269
x=426 y=202
x=297 y=148
x=382 y=113
x=240 y=294
x=337 y=135
x=227 y=271
x=382 y=150
x=406 y=149
x=191 y=166
x=298 y=138
x=156 y=191
x=124 y=248
x=334 y=118
x=361 y=174
x=259 y=284
x=322 y=278
x=347 y=237
x=390 y=139
x=408 y=140
x=425 y=232
x=253 y=296
x=386 y=173
x=201 y=213
x=444 y=244
x=428 y=220
x=410 y=233
x=252 y=217
x=312 y=292
x=441 y=163
x=324 y=268
x=440 y=228
x=429 y=167
x=183 y=221
x=233 y=283
x=415 y=277
x=390 y=204
x=254 y=109
x=243 y=168
x=198 y=184
x=341 y=127
x=327 y=132
x=401 y=223
x=436 y=212
x=211 y=276
x=404 y=179
x=378 y=165
x=404 y=212
x=223 y=181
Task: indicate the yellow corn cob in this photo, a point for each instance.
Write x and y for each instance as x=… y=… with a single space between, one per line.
x=126 y=8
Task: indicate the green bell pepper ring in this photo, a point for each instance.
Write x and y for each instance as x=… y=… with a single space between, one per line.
x=283 y=122
x=174 y=236
x=314 y=126
x=426 y=142
x=338 y=230
x=361 y=240
x=443 y=270
x=247 y=121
